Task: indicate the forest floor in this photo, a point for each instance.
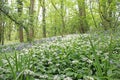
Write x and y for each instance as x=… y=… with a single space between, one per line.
x=21 y=46
x=72 y=57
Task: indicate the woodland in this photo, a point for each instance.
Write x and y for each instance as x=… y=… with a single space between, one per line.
x=59 y=39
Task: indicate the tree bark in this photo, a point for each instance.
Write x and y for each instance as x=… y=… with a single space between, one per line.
x=43 y=18
x=2 y=40
x=10 y=30
x=62 y=18
x=1 y=29
x=2 y=24
x=20 y=9
x=82 y=17
x=31 y=13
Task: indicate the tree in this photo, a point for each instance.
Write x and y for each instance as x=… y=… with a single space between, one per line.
x=31 y=21
x=43 y=18
x=20 y=9
x=62 y=17
x=2 y=24
x=1 y=29
x=82 y=16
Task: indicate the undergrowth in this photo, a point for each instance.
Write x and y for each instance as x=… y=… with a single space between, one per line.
x=84 y=57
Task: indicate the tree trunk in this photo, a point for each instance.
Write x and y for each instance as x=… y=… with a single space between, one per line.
x=2 y=40
x=10 y=30
x=21 y=34
x=0 y=31
x=31 y=13
x=43 y=18
x=20 y=9
x=82 y=17
x=62 y=18
x=2 y=26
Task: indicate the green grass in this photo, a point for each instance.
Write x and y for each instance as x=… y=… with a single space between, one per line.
x=85 y=57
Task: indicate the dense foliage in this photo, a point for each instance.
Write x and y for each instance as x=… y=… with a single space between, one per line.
x=74 y=57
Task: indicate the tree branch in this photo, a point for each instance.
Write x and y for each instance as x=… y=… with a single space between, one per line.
x=11 y=18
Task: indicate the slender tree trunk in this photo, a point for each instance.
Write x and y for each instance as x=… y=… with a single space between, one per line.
x=43 y=18
x=62 y=17
x=10 y=30
x=2 y=25
x=55 y=28
x=9 y=26
x=2 y=41
x=31 y=13
x=0 y=28
x=27 y=33
x=20 y=9
x=21 y=34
